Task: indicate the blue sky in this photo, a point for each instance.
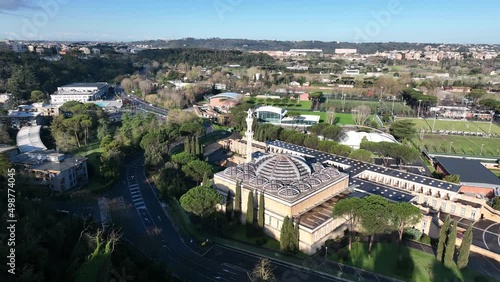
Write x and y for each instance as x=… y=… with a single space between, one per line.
x=456 y=21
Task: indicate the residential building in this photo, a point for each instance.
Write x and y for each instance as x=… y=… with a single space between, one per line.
x=81 y=92
x=58 y=171
x=346 y=51
x=47 y=167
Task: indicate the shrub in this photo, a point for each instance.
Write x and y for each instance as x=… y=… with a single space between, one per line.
x=425 y=239
x=413 y=234
x=261 y=241
x=343 y=255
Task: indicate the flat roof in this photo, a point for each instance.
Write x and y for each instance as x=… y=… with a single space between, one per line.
x=355 y=167
x=316 y=216
x=35 y=164
x=87 y=84
x=471 y=171
x=373 y=188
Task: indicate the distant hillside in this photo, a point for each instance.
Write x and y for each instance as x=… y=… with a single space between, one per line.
x=272 y=45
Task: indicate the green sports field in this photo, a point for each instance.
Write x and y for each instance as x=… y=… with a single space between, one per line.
x=461 y=145
x=456 y=125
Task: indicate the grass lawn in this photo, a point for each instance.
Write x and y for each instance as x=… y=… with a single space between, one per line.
x=496 y=172
x=239 y=232
x=214 y=136
x=456 y=125
x=414 y=266
x=340 y=118
x=462 y=145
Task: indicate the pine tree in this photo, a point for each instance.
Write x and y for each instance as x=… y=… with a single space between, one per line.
x=442 y=238
x=260 y=219
x=250 y=217
x=229 y=206
x=463 y=253
x=237 y=202
x=284 y=235
x=450 y=246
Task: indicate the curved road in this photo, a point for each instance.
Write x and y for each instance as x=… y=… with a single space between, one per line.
x=146 y=226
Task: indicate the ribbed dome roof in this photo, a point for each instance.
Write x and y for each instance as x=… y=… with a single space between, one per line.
x=285 y=168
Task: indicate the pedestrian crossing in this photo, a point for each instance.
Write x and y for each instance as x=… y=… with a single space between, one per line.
x=133 y=187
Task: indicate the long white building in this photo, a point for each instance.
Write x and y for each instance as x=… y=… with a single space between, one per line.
x=81 y=92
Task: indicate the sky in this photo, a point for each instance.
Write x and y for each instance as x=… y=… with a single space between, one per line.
x=426 y=21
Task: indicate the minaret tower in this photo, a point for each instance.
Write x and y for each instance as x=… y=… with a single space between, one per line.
x=249 y=135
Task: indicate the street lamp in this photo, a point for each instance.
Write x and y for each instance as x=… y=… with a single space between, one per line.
x=326 y=252
x=451 y=144
x=482 y=145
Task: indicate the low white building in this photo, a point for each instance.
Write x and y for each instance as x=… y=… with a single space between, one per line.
x=80 y=92
x=353 y=139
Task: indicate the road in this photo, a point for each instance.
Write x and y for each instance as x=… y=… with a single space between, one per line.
x=148 y=228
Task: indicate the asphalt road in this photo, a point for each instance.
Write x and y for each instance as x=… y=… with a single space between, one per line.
x=147 y=227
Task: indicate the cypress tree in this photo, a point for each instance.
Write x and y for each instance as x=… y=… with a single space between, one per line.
x=237 y=202
x=193 y=146
x=260 y=219
x=296 y=233
x=442 y=238
x=206 y=180
x=197 y=146
x=450 y=246
x=284 y=235
x=229 y=206
x=186 y=145
x=463 y=253
x=250 y=217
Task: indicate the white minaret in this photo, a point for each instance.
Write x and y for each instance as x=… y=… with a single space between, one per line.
x=249 y=135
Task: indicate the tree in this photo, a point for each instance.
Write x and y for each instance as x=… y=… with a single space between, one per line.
x=315 y=98
x=374 y=217
x=262 y=272
x=206 y=180
x=250 y=216
x=475 y=95
x=145 y=86
x=495 y=203
x=201 y=201
x=403 y=129
x=348 y=209
x=332 y=132
x=196 y=169
x=463 y=253
x=285 y=235
x=330 y=115
x=260 y=218
x=453 y=178
x=229 y=206
x=127 y=84
x=450 y=246
x=4 y=135
x=443 y=232
x=405 y=215
x=361 y=155
x=21 y=83
x=237 y=201
x=361 y=114
x=37 y=96
x=182 y=158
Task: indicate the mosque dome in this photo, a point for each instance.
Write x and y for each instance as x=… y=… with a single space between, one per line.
x=284 y=168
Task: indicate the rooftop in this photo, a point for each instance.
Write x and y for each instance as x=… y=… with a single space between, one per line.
x=470 y=171
x=229 y=95
x=316 y=216
x=87 y=84
x=355 y=167
x=28 y=139
x=286 y=177
x=271 y=109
